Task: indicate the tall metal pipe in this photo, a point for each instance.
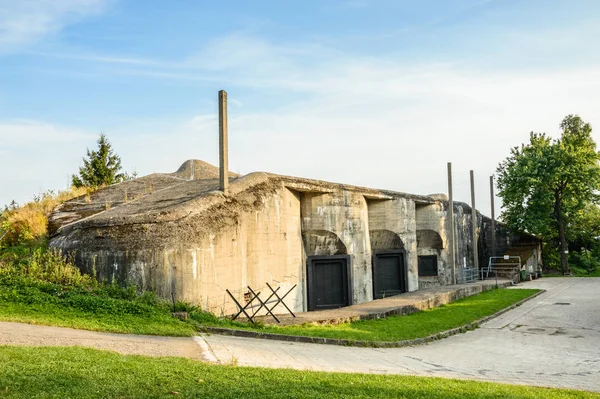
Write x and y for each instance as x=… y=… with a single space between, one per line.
x=493 y=216
x=452 y=244
x=474 y=225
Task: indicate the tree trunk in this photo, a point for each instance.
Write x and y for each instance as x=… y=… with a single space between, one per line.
x=564 y=263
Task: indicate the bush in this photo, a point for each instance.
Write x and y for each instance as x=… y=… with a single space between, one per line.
x=43 y=266
x=583 y=262
x=27 y=225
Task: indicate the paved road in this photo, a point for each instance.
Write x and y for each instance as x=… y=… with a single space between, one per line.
x=552 y=340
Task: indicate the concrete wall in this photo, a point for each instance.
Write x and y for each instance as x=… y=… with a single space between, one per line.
x=251 y=247
x=432 y=239
x=341 y=215
x=395 y=216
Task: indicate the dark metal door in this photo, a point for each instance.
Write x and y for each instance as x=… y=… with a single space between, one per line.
x=389 y=274
x=328 y=283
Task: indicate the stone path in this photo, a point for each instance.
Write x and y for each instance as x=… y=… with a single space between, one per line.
x=552 y=340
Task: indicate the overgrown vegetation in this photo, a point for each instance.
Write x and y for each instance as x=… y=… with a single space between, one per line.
x=87 y=373
x=550 y=188
x=42 y=286
x=27 y=226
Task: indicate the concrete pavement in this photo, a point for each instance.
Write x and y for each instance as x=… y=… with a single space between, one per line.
x=552 y=340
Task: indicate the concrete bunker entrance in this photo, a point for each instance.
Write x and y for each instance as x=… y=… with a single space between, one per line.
x=329 y=282
x=328 y=271
x=390 y=272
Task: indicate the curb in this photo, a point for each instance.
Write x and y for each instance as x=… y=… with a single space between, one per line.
x=360 y=343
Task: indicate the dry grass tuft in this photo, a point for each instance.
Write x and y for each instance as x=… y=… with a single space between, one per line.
x=29 y=223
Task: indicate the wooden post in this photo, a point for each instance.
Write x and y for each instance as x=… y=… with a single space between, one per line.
x=223 y=144
x=452 y=244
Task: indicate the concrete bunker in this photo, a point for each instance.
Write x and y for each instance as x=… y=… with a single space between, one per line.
x=178 y=235
x=202 y=231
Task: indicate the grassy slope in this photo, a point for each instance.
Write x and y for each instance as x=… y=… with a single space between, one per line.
x=87 y=373
x=52 y=315
x=416 y=325
x=98 y=309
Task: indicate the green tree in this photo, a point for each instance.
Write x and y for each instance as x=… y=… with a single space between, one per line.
x=102 y=167
x=547 y=183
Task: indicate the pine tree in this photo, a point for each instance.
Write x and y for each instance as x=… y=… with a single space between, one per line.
x=101 y=168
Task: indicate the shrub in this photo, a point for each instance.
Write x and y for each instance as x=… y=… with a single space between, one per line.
x=583 y=262
x=44 y=266
x=28 y=224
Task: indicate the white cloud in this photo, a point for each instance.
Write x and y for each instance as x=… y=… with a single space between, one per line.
x=382 y=122
x=381 y=125
x=37 y=157
x=23 y=22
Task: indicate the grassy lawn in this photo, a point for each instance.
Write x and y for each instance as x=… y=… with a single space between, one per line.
x=416 y=325
x=53 y=315
x=86 y=373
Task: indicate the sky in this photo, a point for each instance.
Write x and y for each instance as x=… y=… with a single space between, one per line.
x=377 y=93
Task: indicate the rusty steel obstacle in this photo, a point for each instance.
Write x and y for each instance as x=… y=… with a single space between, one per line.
x=262 y=304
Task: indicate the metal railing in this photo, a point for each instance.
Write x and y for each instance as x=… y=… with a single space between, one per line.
x=466 y=275
x=514 y=261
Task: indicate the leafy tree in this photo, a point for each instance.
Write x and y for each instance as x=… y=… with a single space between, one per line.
x=547 y=183
x=102 y=167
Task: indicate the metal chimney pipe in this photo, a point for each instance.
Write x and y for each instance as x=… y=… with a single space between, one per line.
x=451 y=223
x=493 y=216
x=474 y=224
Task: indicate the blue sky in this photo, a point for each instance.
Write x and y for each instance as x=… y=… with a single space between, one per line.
x=375 y=93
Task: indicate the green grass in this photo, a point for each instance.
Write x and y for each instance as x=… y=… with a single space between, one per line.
x=577 y=272
x=416 y=325
x=117 y=310
x=41 y=286
x=103 y=308
x=53 y=315
x=87 y=373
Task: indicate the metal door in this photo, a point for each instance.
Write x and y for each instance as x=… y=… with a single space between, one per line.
x=328 y=282
x=389 y=274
